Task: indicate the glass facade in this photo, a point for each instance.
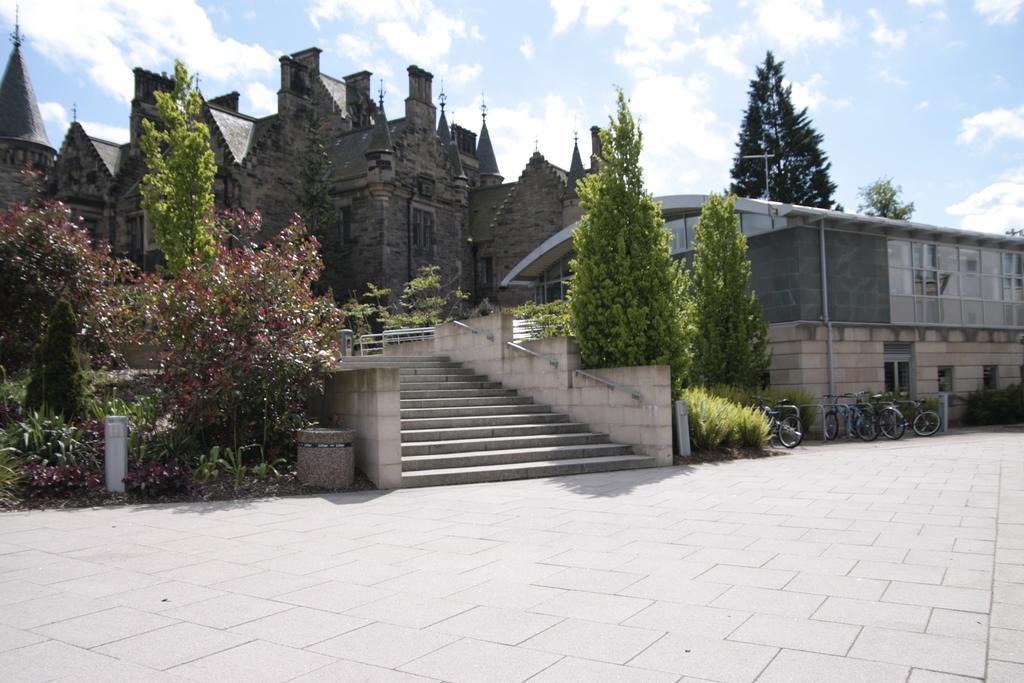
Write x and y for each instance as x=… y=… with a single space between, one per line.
x=682 y=229
x=554 y=283
x=949 y=285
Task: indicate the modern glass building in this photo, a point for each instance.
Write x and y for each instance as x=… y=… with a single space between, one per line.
x=857 y=302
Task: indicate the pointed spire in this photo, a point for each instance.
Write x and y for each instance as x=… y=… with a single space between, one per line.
x=380 y=137
x=19 y=111
x=484 y=150
x=575 y=169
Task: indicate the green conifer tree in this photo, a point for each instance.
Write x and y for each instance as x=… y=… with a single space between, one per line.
x=730 y=340
x=625 y=296
x=56 y=383
x=798 y=173
x=177 y=190
x=313 y=194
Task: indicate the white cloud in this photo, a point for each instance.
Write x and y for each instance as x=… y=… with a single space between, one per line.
x=885 y=36
x=925 y=3
x=55 y=113
x=922 y=105
x=796 y=24
x=989 y=126
x=526 y=47
x=811 y=94
x=891 y=78
x=998 y=11
x=107 y=39
x=461 y=74
x=262 y=100
x=684 y=141
x=995 y=208
x=354 y=47
x=645 y=21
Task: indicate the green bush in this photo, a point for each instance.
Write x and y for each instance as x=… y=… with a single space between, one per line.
x=10 y=473
x=996 y=406
x=716 y=421
x=49 y=439
x=798 y=397
x=550 y=319
x=56 y=382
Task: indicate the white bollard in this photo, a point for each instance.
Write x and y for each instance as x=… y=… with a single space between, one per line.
x=944 y=412
x=115 y=432
x=683 y=428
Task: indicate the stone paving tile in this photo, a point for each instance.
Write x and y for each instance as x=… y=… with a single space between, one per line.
x=1006 y=645
x=968 y=625
x=171 y=646
x=496 y=625
x=938 y=653
x=107 y=583
x=710 y=658
x=949 y=597
x=506 y=594
x=13 y=638
x=766 y=601
x=797 y=634
x=838 y=586
x=573 y=669
x=476 y=660
x=53 y=660
x=226 y=611
x=792 y=666
x=299 y=626
x=254 y=661
x=871 y=613
x=383 y=645
x=893 y=571
x=612 y=609
x=268 y=584
x=691 y=619
x=748 y=576
x=1004 y=672
x=594 y=640
x=925 y=676
x=343 y=670
x=98 y=628
x=47 y=610
x=20 y=591
x=663 y=587
x=407 y=609
x=334 y=596
x=164 y=596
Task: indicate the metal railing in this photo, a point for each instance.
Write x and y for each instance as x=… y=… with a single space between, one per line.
x=474 y=330
x=523 y=329
x=550 y=359
x=370 y=344
x=635 y=393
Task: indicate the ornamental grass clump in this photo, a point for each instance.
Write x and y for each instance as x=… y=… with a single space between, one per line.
x=717 y=422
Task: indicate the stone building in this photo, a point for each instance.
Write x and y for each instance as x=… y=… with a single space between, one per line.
x=405 y=192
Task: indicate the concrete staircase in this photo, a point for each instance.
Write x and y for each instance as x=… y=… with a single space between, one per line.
x=460 y=428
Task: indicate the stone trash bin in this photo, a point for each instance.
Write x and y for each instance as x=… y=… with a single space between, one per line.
x=327 y=458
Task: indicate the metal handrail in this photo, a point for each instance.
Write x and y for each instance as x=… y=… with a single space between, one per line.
x=375 y=343
x=550 y=359
x=635 y=393
x=474 y=330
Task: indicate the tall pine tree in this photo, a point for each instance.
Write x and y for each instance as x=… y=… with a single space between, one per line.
x=626 y=292
x=799 y=171
x=730 y=341
x=313 y=194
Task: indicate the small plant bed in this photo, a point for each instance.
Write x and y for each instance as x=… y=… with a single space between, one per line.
x=726 y=453
x=223 y=488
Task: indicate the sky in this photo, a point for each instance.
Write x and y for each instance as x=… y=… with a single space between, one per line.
x=927 y=92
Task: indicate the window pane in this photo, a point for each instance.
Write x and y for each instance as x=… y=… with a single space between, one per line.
x=989 y=376
x=926 y=283
x=947 y=258
x=902 y=377
x=946 y=379
x=926 y=310
x=991 y=288
x=899 y=254
x=951 y=311
x=972 y=313
x=971 y=286
x=949 y=284
x=678 y=230
x=918 y=253
x=756 y=223
x=902 y=309
x=994 y=314
x=899 y=281
x=890 y=377
x=990 y=263
x=930 y=259
x=970 y=260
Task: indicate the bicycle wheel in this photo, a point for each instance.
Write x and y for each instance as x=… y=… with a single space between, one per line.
x=791 y=432
x=864 y=428
x=926 y=423
x=891 y=424
x=831 y=425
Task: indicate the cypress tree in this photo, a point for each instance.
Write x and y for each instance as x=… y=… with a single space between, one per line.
x=730 y=340
x=56 y=383
x=625 y=296
x=799 y=171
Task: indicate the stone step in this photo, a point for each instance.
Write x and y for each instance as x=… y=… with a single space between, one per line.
x=410 y=436
x=383 y=362
x=502 y=443
x=380 y=357
x=462 y=401
x=415 y=463
x=483 y=419
x=447 y=386
x=468 y=411
x=407 y=380
x=455 y=393
x=434 y=372
x=527 y=470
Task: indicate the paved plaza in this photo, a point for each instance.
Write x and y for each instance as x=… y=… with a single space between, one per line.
x=854 y=562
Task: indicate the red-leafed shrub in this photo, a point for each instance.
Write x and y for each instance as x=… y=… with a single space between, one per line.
x=46 y=256
x=149 y=478
x=60 y=480
x=244 y=336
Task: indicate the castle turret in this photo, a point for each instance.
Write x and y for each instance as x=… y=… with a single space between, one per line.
x=489 y=175
x=571 y=200
x=23 y=140
x=446 y=137
x=380 y=169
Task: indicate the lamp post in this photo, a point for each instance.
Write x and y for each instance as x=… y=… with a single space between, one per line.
x=766 y=157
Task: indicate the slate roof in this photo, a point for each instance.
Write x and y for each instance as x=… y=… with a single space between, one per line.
x=19 y=112
x=236 y=129
x=110 y=153
x=485 y=153
x=348 y=152
x=336 y=89
x=380 y=136
x=576 y=172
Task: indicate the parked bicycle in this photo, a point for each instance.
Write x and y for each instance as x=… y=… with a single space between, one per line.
x=787 y=428
x=888 y=420
x=924 y=422
x=858 y=423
